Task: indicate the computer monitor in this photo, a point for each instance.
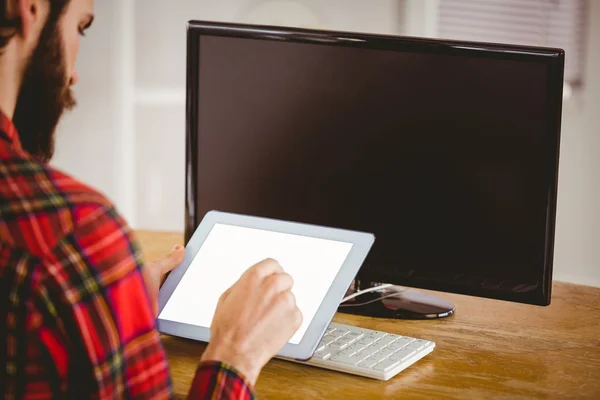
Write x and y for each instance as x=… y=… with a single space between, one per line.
x=447 y=151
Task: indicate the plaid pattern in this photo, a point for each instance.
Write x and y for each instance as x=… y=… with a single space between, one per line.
x=78 y=321
x=220 y=381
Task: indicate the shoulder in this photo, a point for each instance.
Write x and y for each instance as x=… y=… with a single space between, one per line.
x=41 y=205
x=84 y=245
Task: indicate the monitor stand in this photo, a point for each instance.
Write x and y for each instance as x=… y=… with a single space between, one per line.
x=395 y=302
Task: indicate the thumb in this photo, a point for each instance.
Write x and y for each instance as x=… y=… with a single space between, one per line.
x=171 y=260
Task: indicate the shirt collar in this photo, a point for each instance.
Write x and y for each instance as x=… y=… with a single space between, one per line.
x=8 y=131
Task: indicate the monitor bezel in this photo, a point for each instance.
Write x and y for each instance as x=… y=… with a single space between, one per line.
x=553 y=58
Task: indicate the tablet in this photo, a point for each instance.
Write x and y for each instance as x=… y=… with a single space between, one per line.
x=322 y=261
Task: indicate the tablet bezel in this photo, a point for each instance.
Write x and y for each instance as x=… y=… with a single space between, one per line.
x=361 y=245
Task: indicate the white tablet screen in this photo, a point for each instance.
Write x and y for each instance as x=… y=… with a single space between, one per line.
x=228 y=251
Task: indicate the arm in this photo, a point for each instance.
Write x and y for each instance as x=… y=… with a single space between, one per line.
x=217 y=380
x=109 y=321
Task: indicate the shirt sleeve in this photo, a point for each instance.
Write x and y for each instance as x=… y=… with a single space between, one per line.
x=217 y=380
x=115 y=347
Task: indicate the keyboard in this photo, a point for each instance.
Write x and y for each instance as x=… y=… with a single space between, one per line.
x=368 y=353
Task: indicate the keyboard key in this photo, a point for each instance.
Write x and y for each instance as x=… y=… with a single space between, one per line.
x=341 y=332
x=337 y=334
x=416 y=345
x=340 y=359
x=362 y=355
x=321 y=347
x=378 y=346
x=383 y=354
x=394 y=347
x=343 y=341
x=368 y=363
x=386 y=365
x=355 y=335
x=348 y=339
x=358 y=347
x=405 y=340
x=403 y=354
x=328 y=339
x=322 y=355
x=339 y=345
x=389 y=339
x=365 y=342
x=351 y=350
x=372 y=360
x=377 y=336
x=347 y=352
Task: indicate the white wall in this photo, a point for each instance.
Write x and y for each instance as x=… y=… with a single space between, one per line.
x=127 y=136
x=577 y=255
x=88 y=136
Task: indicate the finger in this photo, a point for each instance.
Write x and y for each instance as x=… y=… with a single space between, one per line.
x=279 y=282
x=297 y=319
x=286 y=309
x=289 y=299
x=226 y=294
x=171 y=260
x=263 y=269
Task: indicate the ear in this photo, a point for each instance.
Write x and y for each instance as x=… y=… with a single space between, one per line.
x=29 y=14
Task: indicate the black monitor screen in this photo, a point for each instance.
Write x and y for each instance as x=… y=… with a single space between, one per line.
x=448 y=157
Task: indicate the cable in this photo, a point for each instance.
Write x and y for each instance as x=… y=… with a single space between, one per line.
x=374 y=300
x=371 y=289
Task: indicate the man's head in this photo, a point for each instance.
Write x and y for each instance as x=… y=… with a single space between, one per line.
x=39 y=42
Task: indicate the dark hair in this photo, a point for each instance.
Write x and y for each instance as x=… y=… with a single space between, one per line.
x=13 y=24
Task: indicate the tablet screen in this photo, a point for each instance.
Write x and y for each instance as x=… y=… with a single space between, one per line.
x=229 y=251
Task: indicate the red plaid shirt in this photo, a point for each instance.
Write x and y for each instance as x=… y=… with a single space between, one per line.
x=75 y=318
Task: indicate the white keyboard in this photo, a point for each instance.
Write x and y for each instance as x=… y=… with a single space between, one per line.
x=368 y=353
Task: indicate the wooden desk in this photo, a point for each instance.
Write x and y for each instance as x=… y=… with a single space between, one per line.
x=488 y=349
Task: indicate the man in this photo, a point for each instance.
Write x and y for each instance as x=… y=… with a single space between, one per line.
x=77 y=306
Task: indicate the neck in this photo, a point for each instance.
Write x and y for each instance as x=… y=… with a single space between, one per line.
x=11 y=72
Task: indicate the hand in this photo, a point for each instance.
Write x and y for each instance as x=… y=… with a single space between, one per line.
x=254 y=319
x=155 y=271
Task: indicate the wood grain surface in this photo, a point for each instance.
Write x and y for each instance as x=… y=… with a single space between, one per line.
x=488 y=350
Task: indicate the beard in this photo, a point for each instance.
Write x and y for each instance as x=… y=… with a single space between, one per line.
x=44 y=95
